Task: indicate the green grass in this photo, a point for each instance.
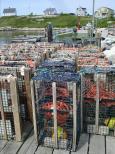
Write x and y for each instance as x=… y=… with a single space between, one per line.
x=63 y=20
x=103 y=22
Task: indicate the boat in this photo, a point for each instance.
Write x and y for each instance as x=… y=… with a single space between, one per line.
x=26 y=39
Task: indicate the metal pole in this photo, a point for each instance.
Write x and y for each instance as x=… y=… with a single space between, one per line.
x=93 y=18
x=0 y=8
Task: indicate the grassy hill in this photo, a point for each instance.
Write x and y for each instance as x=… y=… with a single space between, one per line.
x=63 y=20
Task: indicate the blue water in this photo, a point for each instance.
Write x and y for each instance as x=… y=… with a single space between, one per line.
x=4 y=41
x=6 y=37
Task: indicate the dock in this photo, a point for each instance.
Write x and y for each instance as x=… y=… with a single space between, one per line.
x=88 y=144
x=35 y=78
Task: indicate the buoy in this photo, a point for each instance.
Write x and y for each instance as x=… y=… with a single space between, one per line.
x=61 y=133
x=110 y=122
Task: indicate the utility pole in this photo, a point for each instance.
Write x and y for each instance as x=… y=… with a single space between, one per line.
x=0 y=8
x=93 y=16
x=93 y=20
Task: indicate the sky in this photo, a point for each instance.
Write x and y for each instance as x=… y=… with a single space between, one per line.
x=38 y=6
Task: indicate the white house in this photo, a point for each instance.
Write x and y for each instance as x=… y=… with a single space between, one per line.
x=50 y=11
x=104 y=12
x=10 y=12
x=81 y=11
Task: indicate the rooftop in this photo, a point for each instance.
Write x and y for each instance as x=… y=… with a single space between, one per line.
x=9 y=10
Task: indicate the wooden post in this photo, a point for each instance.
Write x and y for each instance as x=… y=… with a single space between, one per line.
x=15 y=108
x=43 y=56
x=55 y=114
x=34 y=112
x=74 y=117
x=100 y=41
x=37 y=83
x=47 y=55
x=37 y=97
x=81 y=102
x=97 y=104
x=76 y=62
x=27 y=76
x=3 y=118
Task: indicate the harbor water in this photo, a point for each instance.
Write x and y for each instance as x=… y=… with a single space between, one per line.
x=7 y=36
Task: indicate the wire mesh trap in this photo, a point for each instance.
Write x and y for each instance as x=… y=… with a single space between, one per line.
x=57 y=95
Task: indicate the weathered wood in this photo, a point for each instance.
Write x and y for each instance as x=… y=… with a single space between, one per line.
x=83 y=145
x=37 y=83
x=81 y=102
x=74 y=117
x=44 y=150
x=97 y=144
x=58 y=151
x=55 y=113
x=15 y=108
x=110 y=145
x=2 y=144
x=32 y=148
x=11 y=148
x=43 y=57
x=26 y=144
x=47 y=55
x=76 y=62
x=34 y=112
x=27 y=129
x=27 y=76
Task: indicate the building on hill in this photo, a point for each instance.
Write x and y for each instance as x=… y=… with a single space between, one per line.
x=10 y=12
x=50 y=11
x=104 y=12
x=81 y=11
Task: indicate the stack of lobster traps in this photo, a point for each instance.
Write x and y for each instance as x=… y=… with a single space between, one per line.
x=56 y=88
x=30 y=54
x=17 y=61
x=23 y=75
x=98 y=100
x=90 y=57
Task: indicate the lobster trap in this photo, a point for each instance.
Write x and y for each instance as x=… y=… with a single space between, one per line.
x=56 y=108
x=23 y=75
x=99 y=101
x=10 y=124
x=88 y=102
x=91 y=57
x=106 y=103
